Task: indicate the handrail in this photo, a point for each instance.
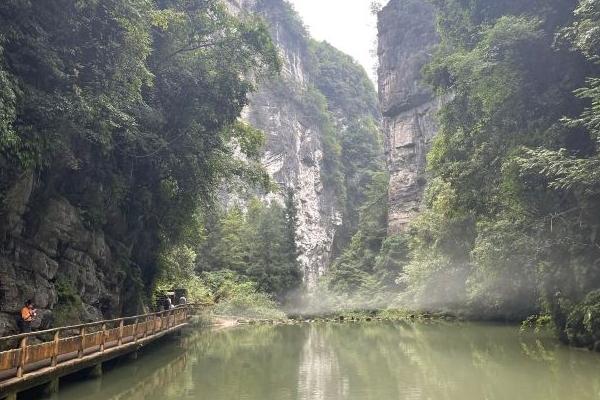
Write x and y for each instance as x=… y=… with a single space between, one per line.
x=111 y=337
x=89 y=324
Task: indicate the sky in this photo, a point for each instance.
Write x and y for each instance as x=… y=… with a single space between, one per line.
x=345 y=24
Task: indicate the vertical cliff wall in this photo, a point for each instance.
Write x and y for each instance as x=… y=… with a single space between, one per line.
x=294 y=153
x=305 y=117
x=407 y=35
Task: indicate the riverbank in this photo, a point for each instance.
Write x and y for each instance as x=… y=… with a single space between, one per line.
x=539 y=326
x=223 y=321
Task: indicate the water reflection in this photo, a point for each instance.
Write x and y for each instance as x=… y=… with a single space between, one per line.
x=320 y=375
x=370 y=361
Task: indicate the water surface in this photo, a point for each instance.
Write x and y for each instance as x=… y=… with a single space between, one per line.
x=377 y=361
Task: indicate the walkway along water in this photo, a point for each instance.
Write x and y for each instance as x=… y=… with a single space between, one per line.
x=70 y=349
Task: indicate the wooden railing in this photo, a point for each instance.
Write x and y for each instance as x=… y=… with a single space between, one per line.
x=29 y=352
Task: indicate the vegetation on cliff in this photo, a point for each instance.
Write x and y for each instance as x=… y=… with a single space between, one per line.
x=256 y=239
x=126 y=109
x=511 y=220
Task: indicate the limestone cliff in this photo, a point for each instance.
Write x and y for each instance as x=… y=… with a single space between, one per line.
x=296 y=113
x=407 y=35
x=293 y=157
x=294 y=149
x=47 y=254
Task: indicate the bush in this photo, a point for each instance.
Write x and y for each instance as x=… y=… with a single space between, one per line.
x=583 y=322
x=229 y=292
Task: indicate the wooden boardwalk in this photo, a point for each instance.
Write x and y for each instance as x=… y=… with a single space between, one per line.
x=41 y=358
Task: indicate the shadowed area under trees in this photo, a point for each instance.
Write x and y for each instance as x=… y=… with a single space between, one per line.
x=125 y=117
x=126 y=109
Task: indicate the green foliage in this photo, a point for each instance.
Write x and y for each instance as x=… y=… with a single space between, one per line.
x=239 y=297
x=357 y=271
x=343 y=82
x=503 y=278
x=230 y=293
x=538 y=323
x=178 y=270
x=259 y=244
x=511 y=204
x=353 y=150
x=583 y=323
x=128 y=109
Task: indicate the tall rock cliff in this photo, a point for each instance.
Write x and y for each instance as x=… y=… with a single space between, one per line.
x=407 y=35
x=304 y=118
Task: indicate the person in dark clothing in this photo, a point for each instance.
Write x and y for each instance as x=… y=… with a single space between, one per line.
x=168 y=304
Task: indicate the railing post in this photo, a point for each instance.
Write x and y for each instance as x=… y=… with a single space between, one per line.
x=55 y=349
x=135 y=330
x=120 y=339
x=81 y=342
x=147 y=319
x=103 y=338
x=23 y=358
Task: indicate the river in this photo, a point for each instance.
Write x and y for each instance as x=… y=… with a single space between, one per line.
x=377 y=360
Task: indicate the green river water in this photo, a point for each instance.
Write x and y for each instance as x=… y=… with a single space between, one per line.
x=377 y=361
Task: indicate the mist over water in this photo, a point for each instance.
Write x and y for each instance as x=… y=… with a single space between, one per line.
x=322 y=302
x=376 y=361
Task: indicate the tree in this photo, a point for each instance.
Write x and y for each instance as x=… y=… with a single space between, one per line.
x=510 y=206
x=127 y=109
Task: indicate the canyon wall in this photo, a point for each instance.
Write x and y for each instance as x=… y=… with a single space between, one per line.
x=297 y=110
x=48 y=255
x=293 y=154
x=407 y=36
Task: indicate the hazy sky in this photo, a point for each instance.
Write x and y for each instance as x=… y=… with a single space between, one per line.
x=346 y=24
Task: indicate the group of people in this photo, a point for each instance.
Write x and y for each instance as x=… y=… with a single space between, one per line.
x=168 y=303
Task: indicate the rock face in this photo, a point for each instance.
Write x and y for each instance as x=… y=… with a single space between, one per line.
x=307 y=113
x=45 y=258
x=407 y=35
x=294 y=151
x=293 y=157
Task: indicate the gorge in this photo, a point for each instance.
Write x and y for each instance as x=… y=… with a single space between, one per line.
x=214 y=145
x=52 y=255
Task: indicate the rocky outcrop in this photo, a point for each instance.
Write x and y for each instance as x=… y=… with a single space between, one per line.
x=47 y=253
x=294 y=151
x=407 y=35
x=293 y=157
